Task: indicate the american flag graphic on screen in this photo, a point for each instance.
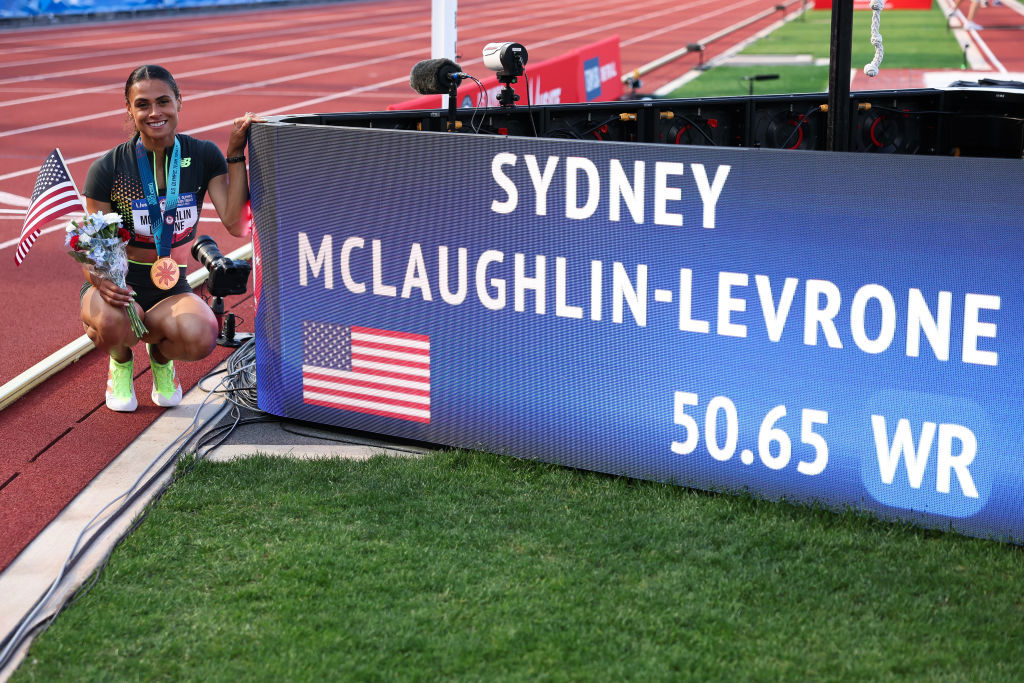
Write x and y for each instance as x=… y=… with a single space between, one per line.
x=366 y=370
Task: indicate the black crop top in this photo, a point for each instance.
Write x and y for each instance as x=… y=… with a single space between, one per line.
x=114 y=178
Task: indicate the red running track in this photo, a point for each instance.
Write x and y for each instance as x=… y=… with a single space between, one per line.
x=62 y=86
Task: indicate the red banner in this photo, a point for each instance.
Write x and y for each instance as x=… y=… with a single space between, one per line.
x=587 y=74
x=889 y=4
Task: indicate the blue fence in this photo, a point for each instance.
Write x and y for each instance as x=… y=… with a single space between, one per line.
x=27 y=9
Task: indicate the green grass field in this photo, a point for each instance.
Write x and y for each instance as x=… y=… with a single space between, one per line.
x=471 y=566
x=912 y=39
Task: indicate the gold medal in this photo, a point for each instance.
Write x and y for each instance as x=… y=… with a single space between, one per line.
x=164 y=273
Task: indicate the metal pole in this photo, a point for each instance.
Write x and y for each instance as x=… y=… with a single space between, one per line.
x=838 y=139
x=443 y=33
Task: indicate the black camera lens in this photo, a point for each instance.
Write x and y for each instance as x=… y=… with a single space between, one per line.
x=226 y=276
x=206 y=252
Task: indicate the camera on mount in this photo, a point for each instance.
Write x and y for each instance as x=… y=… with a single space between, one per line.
x=509 y=60
x=227 y=276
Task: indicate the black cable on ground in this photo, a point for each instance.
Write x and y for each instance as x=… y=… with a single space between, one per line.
x=240 y=391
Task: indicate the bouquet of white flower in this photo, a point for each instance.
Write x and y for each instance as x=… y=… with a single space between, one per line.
x=98 y=241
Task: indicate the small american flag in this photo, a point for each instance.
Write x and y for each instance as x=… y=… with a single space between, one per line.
x=366 y=370
x=54 y=196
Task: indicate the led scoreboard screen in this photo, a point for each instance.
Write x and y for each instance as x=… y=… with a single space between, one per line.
x=838 y=328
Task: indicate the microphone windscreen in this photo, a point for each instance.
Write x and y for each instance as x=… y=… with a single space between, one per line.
x=432 y=76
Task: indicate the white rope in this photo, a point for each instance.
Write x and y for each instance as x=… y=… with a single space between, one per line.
x=871 y=70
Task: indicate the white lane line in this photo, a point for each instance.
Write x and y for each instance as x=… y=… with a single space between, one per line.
x=254 y=33
x=296 y=106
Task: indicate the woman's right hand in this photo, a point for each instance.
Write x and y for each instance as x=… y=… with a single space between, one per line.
x=111 y=293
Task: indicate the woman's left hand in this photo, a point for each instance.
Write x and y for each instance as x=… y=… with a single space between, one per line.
x=239 y=130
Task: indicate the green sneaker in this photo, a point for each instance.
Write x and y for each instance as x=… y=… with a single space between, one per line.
x=166 y=387
x=120 y=395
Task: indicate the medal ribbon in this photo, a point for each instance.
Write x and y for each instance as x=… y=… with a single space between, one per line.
x=162 y=237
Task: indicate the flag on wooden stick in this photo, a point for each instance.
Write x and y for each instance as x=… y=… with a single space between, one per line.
x=55 y=195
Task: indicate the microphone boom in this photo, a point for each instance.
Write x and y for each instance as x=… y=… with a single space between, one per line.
x=435 y=76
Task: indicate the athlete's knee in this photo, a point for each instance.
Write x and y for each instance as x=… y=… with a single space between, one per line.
x=200 y=344
x=194 y=337
x=107 y=331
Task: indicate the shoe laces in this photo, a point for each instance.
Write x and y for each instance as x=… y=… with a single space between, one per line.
x=121 y=379
x=163 y=377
